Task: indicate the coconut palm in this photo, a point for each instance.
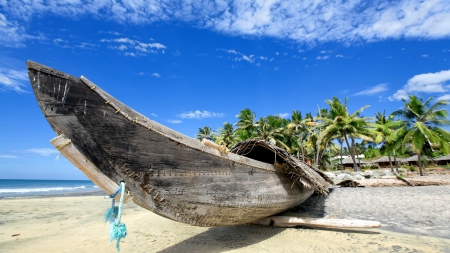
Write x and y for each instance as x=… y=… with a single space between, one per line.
x=339 y=123
x=226 y=134
x=246 y=120
x=423 y=120
x=205 y=133
x=301 y=128
x=390 y=133
x=270 y=129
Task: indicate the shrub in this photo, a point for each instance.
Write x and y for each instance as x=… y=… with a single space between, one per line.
x=412 y=168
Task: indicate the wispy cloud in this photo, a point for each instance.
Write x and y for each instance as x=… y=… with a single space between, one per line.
x=13 y=33
x=322 y=57
x=7 y=156
x=41 y=151
x=374 y=90
x=437 y=82
x=309 y=22
x=425 y=56
x=138 y=47
x=239 y=56
x=156 y=75
x=284 y=115
x=11 y=79
x=174 y=121
x=154 y=114
x=339 y=56
x=200 y=115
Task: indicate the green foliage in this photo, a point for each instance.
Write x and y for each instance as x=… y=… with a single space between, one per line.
x=423 y=121
x=205 y=133
x=416 y=127
x=412 y=168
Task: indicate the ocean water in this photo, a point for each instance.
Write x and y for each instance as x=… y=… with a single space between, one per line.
x=22 y=188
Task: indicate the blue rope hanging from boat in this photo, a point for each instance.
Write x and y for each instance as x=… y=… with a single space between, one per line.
x=117 y=229
x=111 y=214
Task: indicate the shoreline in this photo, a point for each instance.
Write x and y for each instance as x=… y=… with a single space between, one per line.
x=57 y=195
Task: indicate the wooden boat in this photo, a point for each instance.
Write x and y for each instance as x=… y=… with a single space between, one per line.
x=166 y=172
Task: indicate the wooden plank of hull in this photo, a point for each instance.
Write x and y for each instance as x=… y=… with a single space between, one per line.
x=168 y=173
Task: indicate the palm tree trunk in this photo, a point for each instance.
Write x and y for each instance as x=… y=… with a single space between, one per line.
x=301 y=145
x=420 y=163
x=341 y=153
x=356 y=155
x=351 y=153
x=317 y=161
x=395 y=161
x=390 y=161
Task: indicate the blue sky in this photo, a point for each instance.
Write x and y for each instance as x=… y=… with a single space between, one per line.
x=189 y=64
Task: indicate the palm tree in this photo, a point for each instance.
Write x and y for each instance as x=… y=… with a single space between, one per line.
x=205 y=133
x=246 y=120
x=226 y=134
x=389 y=132
x=270 y=129
x=423 y=120
x=339 y=123
x=301 y=128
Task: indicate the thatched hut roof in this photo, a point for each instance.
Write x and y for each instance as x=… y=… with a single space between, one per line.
x=385 y=159
x=300 y=172
x=349 y=160
x=442 y=158
x=411 y=159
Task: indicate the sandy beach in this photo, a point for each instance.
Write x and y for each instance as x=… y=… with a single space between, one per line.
x=414 y=219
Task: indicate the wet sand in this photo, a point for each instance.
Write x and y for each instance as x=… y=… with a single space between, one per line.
x=414 y=219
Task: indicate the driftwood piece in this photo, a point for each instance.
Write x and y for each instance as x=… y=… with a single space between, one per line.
x=404 y=180
x=350 y=183
x=287 y=222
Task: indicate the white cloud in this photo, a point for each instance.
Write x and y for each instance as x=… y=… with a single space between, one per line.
x=174 y=121
x=200 y=115
x=154 y=114
x=42 y=151
x=325 y=52
x=374 y=90
x=156 y=75
x=11 y=79
x=12 y=33
x=445 y=97
x=425 y=56
x=437 y=82
x=129 y=54
x=6 y=156
x=140 y=48
x=309 y=22
x=322 y=57
x=284 y=115
x=399 y=95
x=243 y=57
x=339 y=56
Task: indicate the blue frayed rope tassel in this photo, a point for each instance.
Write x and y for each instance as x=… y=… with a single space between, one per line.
x=117 y=229
x=111 y=214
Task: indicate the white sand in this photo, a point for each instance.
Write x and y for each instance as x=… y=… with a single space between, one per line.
x=75 y=224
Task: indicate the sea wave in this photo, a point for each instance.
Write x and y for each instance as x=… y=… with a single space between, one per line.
x=25 y=190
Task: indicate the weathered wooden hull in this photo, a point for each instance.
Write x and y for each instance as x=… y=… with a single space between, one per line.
x=166 y=172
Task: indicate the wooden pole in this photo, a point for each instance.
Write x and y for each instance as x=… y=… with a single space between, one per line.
x=287 y=222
